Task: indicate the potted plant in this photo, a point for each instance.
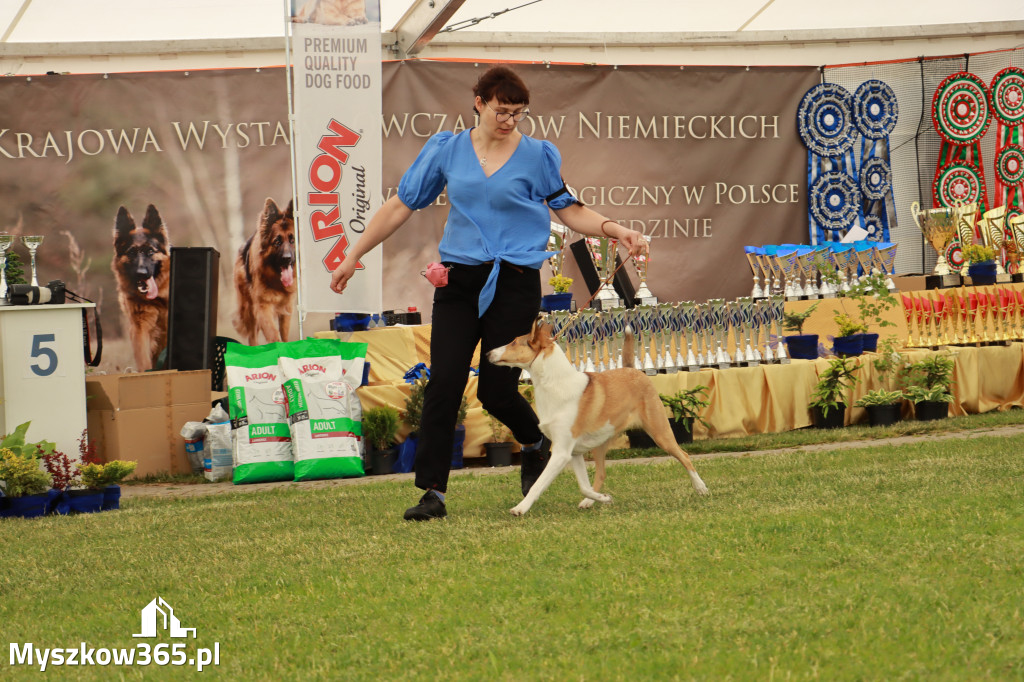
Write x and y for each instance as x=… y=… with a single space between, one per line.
x=686 y=406
x=874 y=300
x=827 y=401
x=929 y=403
x=411 y=417
x=883 y=406
x=499 y=450
x=981 y=263
x=562 y=298
x=64 y=476
x=800 y=345
x=103 y=479
x=380 y=429
x=851 y=335
x=927 y=385
x=24 y=484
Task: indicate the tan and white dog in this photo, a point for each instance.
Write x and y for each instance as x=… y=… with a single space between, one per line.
x=584 y=411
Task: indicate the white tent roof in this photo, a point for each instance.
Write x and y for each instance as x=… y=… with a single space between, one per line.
x=54 y=21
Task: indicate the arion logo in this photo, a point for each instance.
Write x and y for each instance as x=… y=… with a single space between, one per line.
x=157 y=613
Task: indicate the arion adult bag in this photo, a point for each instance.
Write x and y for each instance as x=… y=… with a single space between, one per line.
x=259 y=421
x=320 y=381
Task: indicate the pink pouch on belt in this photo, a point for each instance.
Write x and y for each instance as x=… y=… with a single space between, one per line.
x=436 y=274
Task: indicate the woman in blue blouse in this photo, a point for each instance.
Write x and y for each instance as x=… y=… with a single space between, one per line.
x=500 y=184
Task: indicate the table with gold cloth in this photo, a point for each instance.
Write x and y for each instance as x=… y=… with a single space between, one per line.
x=744 y=400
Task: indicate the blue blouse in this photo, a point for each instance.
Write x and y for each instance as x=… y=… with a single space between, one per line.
x=499 y=218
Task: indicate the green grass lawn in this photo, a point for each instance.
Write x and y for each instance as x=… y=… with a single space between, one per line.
x=879 y=563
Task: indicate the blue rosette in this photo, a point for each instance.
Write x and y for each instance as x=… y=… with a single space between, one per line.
x=825 y=120
x=875 y=109
x=834 y=201
x=875 y=179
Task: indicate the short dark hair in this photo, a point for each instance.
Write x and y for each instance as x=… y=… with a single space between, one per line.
x=503 y=84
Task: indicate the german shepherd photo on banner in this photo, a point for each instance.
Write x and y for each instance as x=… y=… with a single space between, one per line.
x=265 y=277
x=141 y=268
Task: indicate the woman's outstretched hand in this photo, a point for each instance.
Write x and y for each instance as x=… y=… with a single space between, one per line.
x=342 y=274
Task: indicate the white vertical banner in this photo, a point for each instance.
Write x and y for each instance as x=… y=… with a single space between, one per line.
x=337 y=148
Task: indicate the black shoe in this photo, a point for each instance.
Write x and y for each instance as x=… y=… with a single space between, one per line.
x=533 y=464
x=430 y=507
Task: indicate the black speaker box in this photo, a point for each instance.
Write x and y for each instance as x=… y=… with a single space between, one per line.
x=623 y=286
x=192 y=308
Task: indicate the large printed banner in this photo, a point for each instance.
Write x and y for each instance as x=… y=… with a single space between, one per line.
x=337 y=86
x=702 y=159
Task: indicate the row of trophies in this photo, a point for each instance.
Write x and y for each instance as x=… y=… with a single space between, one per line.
x=952 y=318
x=32 y=243
x=803 y=272
x=673 y=337
x=948 y=229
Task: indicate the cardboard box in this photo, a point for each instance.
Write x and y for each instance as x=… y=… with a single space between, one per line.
x=139 y=416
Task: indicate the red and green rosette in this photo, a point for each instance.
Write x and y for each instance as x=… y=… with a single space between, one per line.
x=961 y=113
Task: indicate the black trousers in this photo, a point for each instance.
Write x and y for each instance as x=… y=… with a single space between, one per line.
x=455 y=331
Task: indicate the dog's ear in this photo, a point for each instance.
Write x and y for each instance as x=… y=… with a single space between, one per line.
x=540 y=335
x=288 y=211
x=123 y=224
x=153 y=224
x=271 y=214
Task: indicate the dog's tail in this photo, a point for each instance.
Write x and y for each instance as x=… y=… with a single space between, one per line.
x=628 y=350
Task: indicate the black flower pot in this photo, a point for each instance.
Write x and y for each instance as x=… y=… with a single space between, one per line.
x=883 y=415
x=835 y=419
x=499 y=454
x=930 y=410
x=383 y=461
x=870 y=343
x=682 y=430
x=638 y=438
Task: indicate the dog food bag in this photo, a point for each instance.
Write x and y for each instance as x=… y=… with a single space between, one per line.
x=320 y=381
x=259 y=422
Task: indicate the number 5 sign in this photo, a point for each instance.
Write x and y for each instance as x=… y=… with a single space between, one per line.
x=44 y=351
x=42 y=378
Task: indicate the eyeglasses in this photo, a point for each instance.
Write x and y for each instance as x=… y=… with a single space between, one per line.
x=502 y=116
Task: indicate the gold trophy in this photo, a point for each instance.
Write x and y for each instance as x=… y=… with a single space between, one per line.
x=908 y=314
x=970 y=317
x=993 y=234
x=941 y=320
x=966 y=217
x=938 y=225
x=983 y=314
x=928 y=313
x=952 y=315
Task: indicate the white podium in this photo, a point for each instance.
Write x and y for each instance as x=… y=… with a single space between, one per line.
x=42 y=372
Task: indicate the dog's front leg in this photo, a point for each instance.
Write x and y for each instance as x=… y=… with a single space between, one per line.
x=580 y=467
x=561 y=453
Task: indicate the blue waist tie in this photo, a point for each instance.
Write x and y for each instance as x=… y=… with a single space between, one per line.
x=527 y=259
